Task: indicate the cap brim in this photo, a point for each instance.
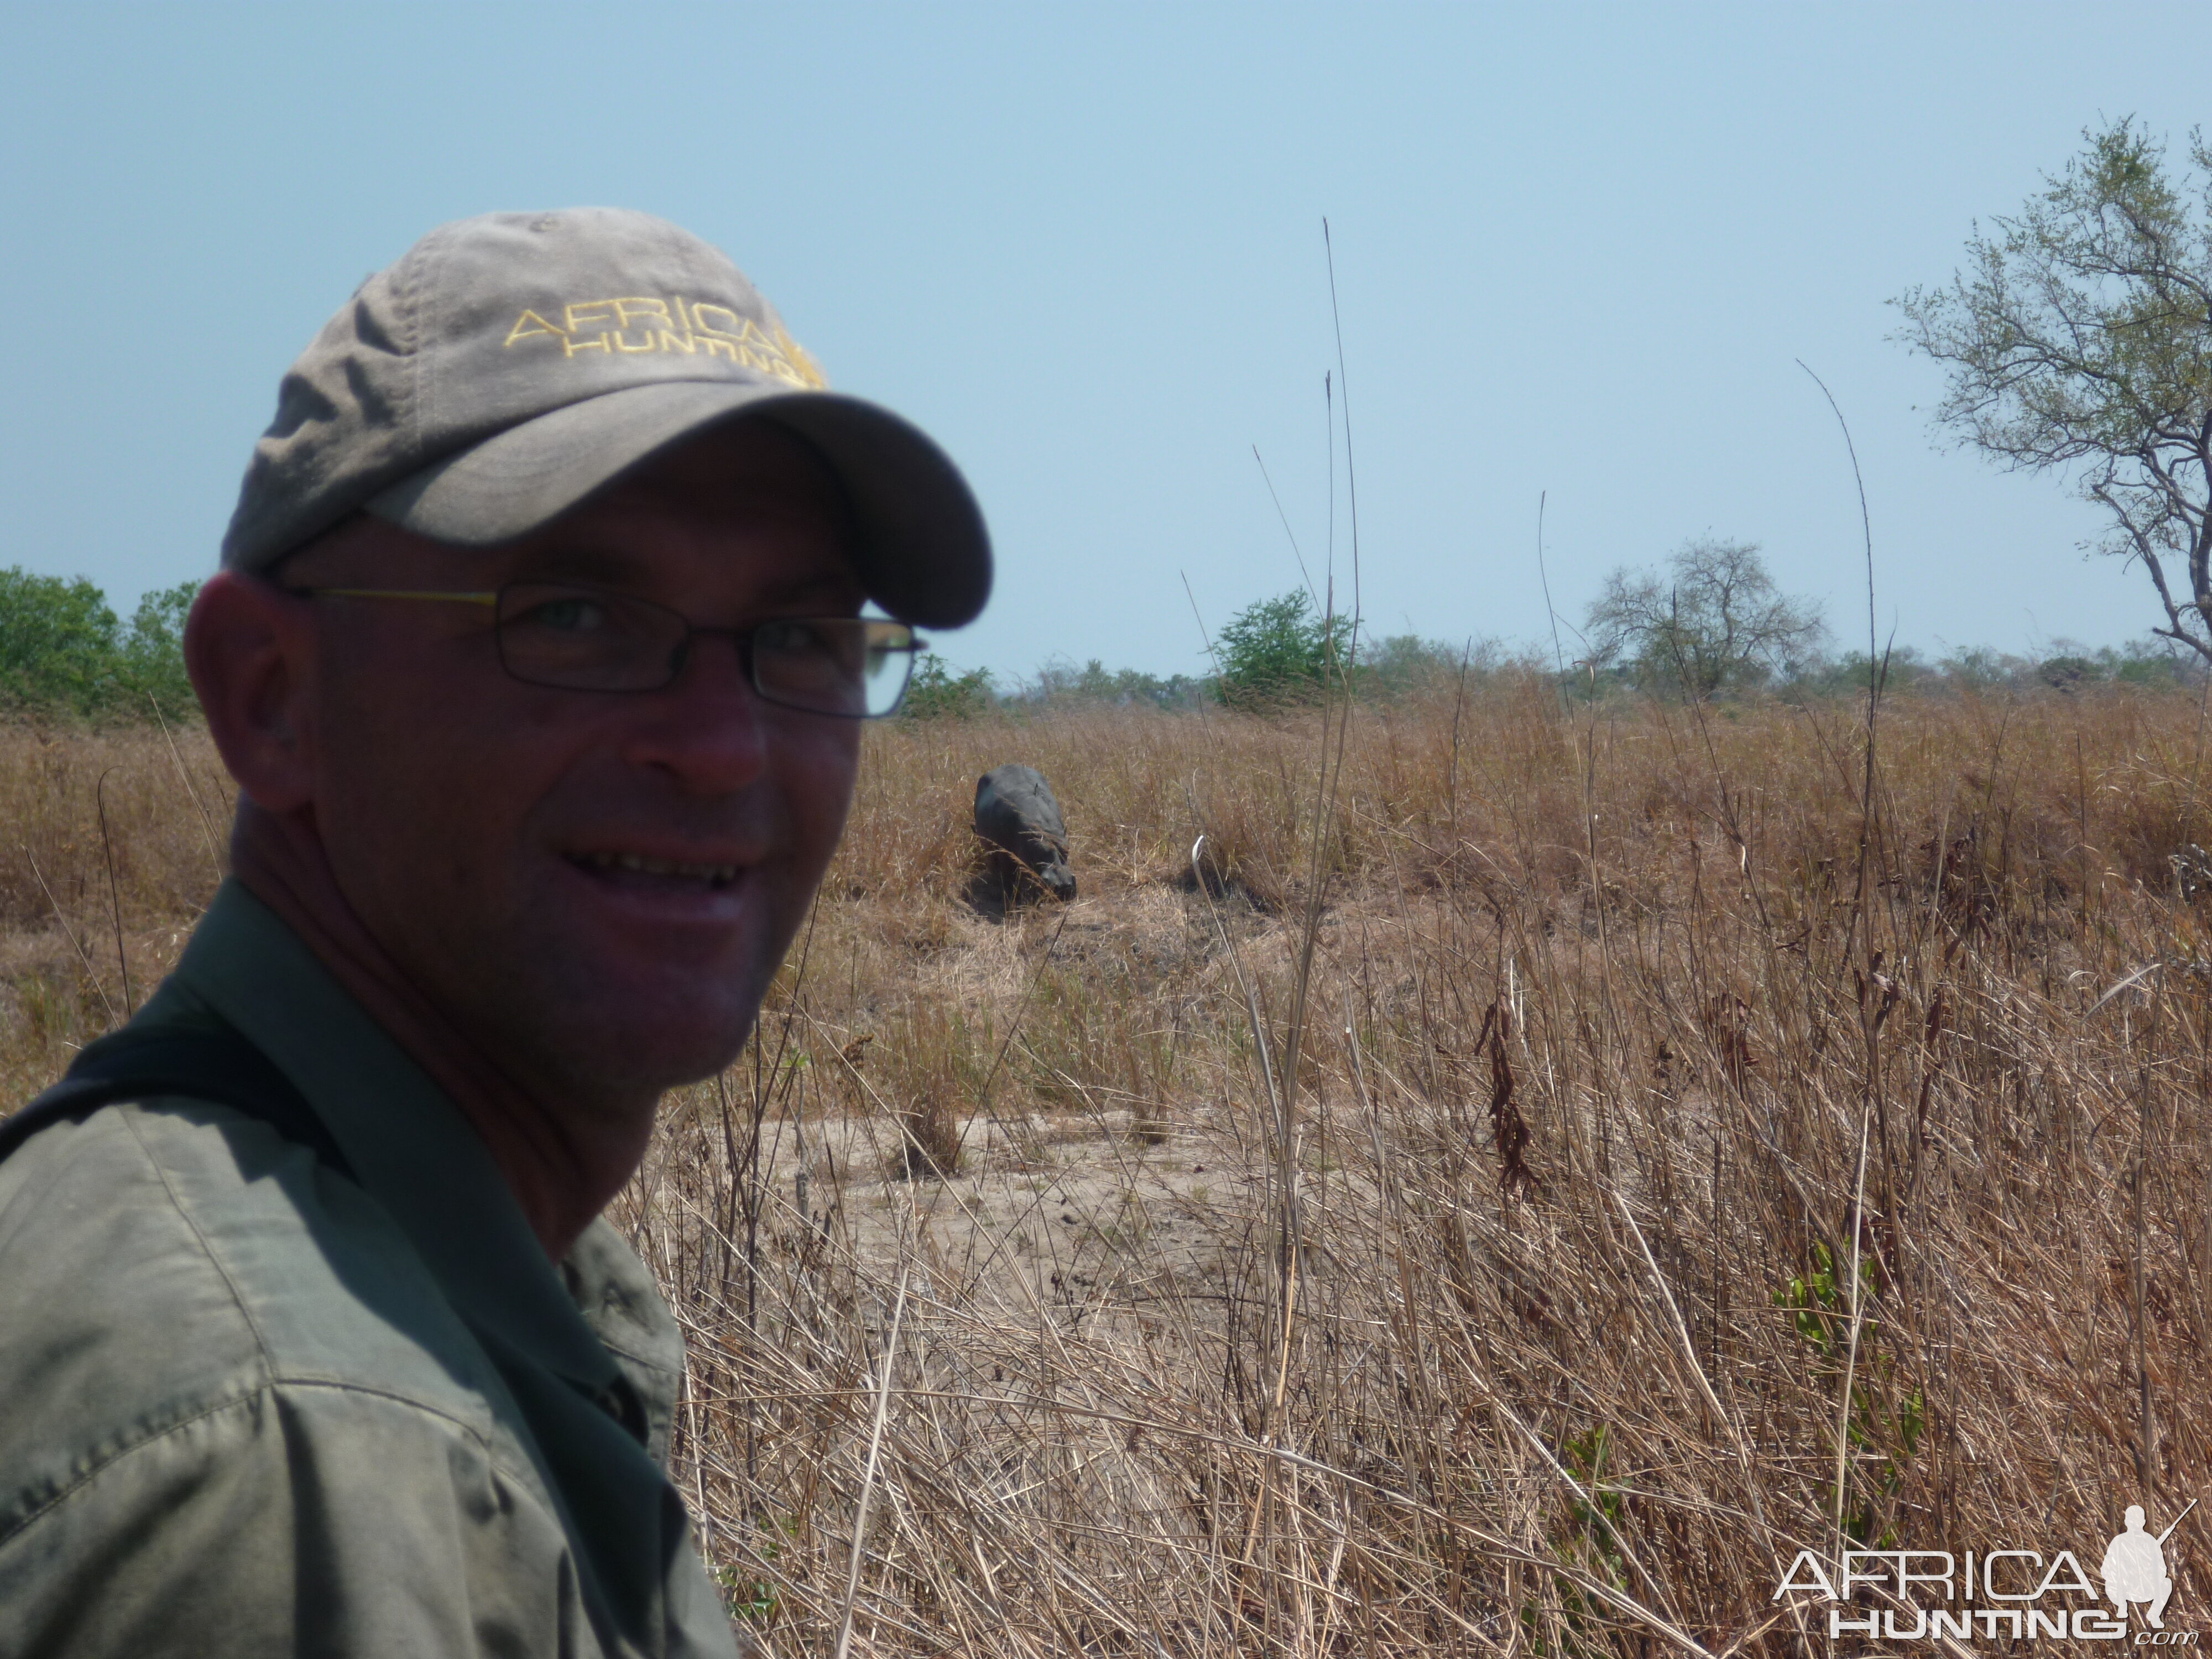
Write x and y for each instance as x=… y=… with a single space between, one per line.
x=924 y=553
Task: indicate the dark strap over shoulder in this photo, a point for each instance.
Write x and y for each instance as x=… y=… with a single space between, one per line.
x=215 y=1065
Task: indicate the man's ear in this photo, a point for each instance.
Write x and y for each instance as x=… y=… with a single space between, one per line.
x=249 y=647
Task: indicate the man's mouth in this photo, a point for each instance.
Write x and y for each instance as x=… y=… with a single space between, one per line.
x=642 y=869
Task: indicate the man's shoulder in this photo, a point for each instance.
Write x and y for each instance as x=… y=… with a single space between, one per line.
x=161 y=1261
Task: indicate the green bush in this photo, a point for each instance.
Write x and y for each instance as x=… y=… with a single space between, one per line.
x=1405 y=663
x=936 y=693
x=2068 y=673
x=1278 y=651
x=59 y=643
x=64 y=652
x=154 y=650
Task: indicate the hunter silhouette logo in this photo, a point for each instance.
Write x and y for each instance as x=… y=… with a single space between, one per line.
x=2002 y=1594
x=2135 y=1567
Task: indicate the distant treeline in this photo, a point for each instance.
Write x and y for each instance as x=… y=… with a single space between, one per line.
x=1394 y=668
x=64 y=653
x=1279 y=653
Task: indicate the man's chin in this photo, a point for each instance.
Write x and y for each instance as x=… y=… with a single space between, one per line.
x=654 y=989
x=603 y=1055
x=649 y=1025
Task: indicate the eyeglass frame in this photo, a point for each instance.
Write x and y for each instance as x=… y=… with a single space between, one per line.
x=741 y=639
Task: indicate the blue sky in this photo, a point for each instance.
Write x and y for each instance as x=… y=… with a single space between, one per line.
x=1578 y=251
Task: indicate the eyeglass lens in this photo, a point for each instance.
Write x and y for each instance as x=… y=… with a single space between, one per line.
x=590 y=639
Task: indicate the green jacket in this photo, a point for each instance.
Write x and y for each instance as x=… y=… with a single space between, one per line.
x=248 y=1407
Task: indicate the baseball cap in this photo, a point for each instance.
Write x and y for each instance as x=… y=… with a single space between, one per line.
x=511 y=364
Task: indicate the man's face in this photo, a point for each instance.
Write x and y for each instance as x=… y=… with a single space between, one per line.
x=490 y=833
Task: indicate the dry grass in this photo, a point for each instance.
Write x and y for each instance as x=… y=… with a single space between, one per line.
x=1188 y=1366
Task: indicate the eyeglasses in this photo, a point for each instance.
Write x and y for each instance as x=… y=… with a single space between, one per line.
x=580 y=638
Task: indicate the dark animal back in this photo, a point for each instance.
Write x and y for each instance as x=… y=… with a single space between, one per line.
x=1014 y=804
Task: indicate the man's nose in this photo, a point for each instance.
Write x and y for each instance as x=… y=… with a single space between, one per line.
x=705 y=728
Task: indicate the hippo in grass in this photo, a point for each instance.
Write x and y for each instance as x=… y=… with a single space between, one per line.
x=1018 y=819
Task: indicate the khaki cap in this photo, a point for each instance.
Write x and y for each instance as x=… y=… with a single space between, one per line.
x=509 y=365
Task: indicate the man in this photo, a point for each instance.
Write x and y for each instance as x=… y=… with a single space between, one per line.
x=538 y=656
x=2134 y=1569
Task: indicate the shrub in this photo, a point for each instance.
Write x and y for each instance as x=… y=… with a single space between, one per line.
x=936 y=693
x=1405 y=663
x=64 y=652
x=152 y=653
x=1278 y=651
x=58 y=643
x=2068 y=673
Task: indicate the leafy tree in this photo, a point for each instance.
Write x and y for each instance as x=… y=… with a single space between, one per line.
x=58 y=643
x=2079 y=341
x=1714 y=619
x=1278 y=650
x=936 y=692
x=1405 y=663
x=152 y=653
x=2136 y=667
x=63 y=651
x=2068 y=673
x=1094 y=683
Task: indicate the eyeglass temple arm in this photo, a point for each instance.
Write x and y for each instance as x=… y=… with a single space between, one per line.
x=914 y=641
x=401 y=593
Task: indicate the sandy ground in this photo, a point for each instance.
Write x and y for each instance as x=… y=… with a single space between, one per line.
x=1070 y=1212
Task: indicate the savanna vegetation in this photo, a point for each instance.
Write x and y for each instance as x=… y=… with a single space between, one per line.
x=1478 y=1173
x=1509 y=1148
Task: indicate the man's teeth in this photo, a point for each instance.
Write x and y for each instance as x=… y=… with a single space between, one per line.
x=717 y=874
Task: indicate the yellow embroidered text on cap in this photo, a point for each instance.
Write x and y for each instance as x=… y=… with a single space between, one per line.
x=635 y=326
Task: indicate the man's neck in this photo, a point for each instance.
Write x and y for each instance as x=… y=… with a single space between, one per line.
x=563 y=1159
